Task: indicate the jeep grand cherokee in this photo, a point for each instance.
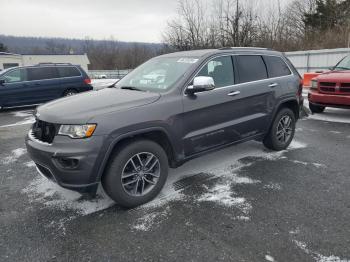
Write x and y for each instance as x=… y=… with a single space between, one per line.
x=170 y=109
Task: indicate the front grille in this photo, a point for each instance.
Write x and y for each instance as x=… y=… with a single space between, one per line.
x=330 y=84
x=327 y=89
x=44 y=131
x=344 y=90
x=345 y=85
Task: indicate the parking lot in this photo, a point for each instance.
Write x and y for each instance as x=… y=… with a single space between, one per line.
x=243 y=203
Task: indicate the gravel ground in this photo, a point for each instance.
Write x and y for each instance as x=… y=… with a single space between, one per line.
x=243 y=203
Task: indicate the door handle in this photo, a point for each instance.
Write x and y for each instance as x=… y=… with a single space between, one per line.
x=235 y=93
x=273 y=85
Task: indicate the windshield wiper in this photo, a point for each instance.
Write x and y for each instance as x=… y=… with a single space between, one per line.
x=343 y=68
x=131 y=88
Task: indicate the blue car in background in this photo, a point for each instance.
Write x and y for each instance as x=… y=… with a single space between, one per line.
x=33 y=85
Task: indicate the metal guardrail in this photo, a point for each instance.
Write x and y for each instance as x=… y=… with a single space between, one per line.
x=108 y=74
x=316 y=60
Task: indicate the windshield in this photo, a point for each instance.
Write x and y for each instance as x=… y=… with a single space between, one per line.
x=343 y=64
x=157 y=75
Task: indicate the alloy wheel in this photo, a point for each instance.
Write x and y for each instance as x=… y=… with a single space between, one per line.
x=284 y=129
x=140 y=174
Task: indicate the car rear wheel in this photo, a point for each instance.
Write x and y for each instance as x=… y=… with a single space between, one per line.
x=282 y=130
x=136 y=173
x=70 y=92
x=316 y=109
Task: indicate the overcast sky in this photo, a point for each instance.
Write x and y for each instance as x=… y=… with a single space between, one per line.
x=125 y=20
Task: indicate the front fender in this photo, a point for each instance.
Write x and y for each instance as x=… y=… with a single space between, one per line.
x=114 y=139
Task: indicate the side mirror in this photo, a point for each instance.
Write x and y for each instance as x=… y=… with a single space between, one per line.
x=201 y=84
x=2 y=82
x=331 y=68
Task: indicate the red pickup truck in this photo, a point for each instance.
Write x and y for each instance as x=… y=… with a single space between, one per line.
x=331 y=89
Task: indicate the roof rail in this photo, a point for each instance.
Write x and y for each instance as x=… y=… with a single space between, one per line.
x=237 y=47
x=48 y=63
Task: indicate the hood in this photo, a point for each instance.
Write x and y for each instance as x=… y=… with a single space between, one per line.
x=335 y=76
x=79 y=109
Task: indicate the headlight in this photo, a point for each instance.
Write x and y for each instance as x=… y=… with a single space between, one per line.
x=77 y=131
x=313 y=84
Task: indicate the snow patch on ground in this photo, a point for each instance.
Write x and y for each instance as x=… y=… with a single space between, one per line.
x=50 y=194
x=23 y=114
x=13 y=157
x=269 y=258
x=29 y=164
x=224 y=165
x=300 y=162
x=150 y=219
x=335 y=132
x=317 y=256
x=273 y=186
x=60 y=225
x=294 y=231
x=28 y=119
x=318 y=165
x=223 y=195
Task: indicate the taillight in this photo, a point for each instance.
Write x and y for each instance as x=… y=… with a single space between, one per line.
x=87 y=81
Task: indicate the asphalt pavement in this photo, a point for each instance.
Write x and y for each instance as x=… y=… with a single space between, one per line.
x=243 y=203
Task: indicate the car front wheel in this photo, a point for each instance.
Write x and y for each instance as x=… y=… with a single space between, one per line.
x=282 y=130
x=136 y=173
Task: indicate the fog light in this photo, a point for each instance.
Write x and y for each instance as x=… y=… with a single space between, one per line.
x=68 y=163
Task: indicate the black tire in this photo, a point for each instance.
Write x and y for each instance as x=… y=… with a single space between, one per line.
x=271 y=141
x=70 y=92
x=316 y=109
x=112 y=179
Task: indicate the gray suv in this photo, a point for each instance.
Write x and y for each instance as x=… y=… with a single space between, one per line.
x=167 y=111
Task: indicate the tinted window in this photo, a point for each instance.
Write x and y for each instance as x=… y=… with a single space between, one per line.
x=251 y=68
x=68 y=71
x=221 y=70
x=41 y=73
x=16 y=75
x=276 y=66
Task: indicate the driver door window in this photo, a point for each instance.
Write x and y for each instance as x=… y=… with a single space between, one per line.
x=14 y=76
x=221 y=70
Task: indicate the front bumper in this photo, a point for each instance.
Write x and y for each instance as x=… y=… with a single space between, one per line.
x=317 y=98
x=71 y=163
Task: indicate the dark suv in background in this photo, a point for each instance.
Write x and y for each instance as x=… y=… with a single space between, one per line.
x=32 y=85
x=167 y=111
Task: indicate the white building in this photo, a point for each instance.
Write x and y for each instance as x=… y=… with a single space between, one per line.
x=8 y=60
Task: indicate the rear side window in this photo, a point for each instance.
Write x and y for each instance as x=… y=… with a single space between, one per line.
x=68 y=71
x=41 y=73
x=221 y=70
x=276 y=66
x=251 y=68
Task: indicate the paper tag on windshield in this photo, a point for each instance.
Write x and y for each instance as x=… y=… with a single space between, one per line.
x=187 y=60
